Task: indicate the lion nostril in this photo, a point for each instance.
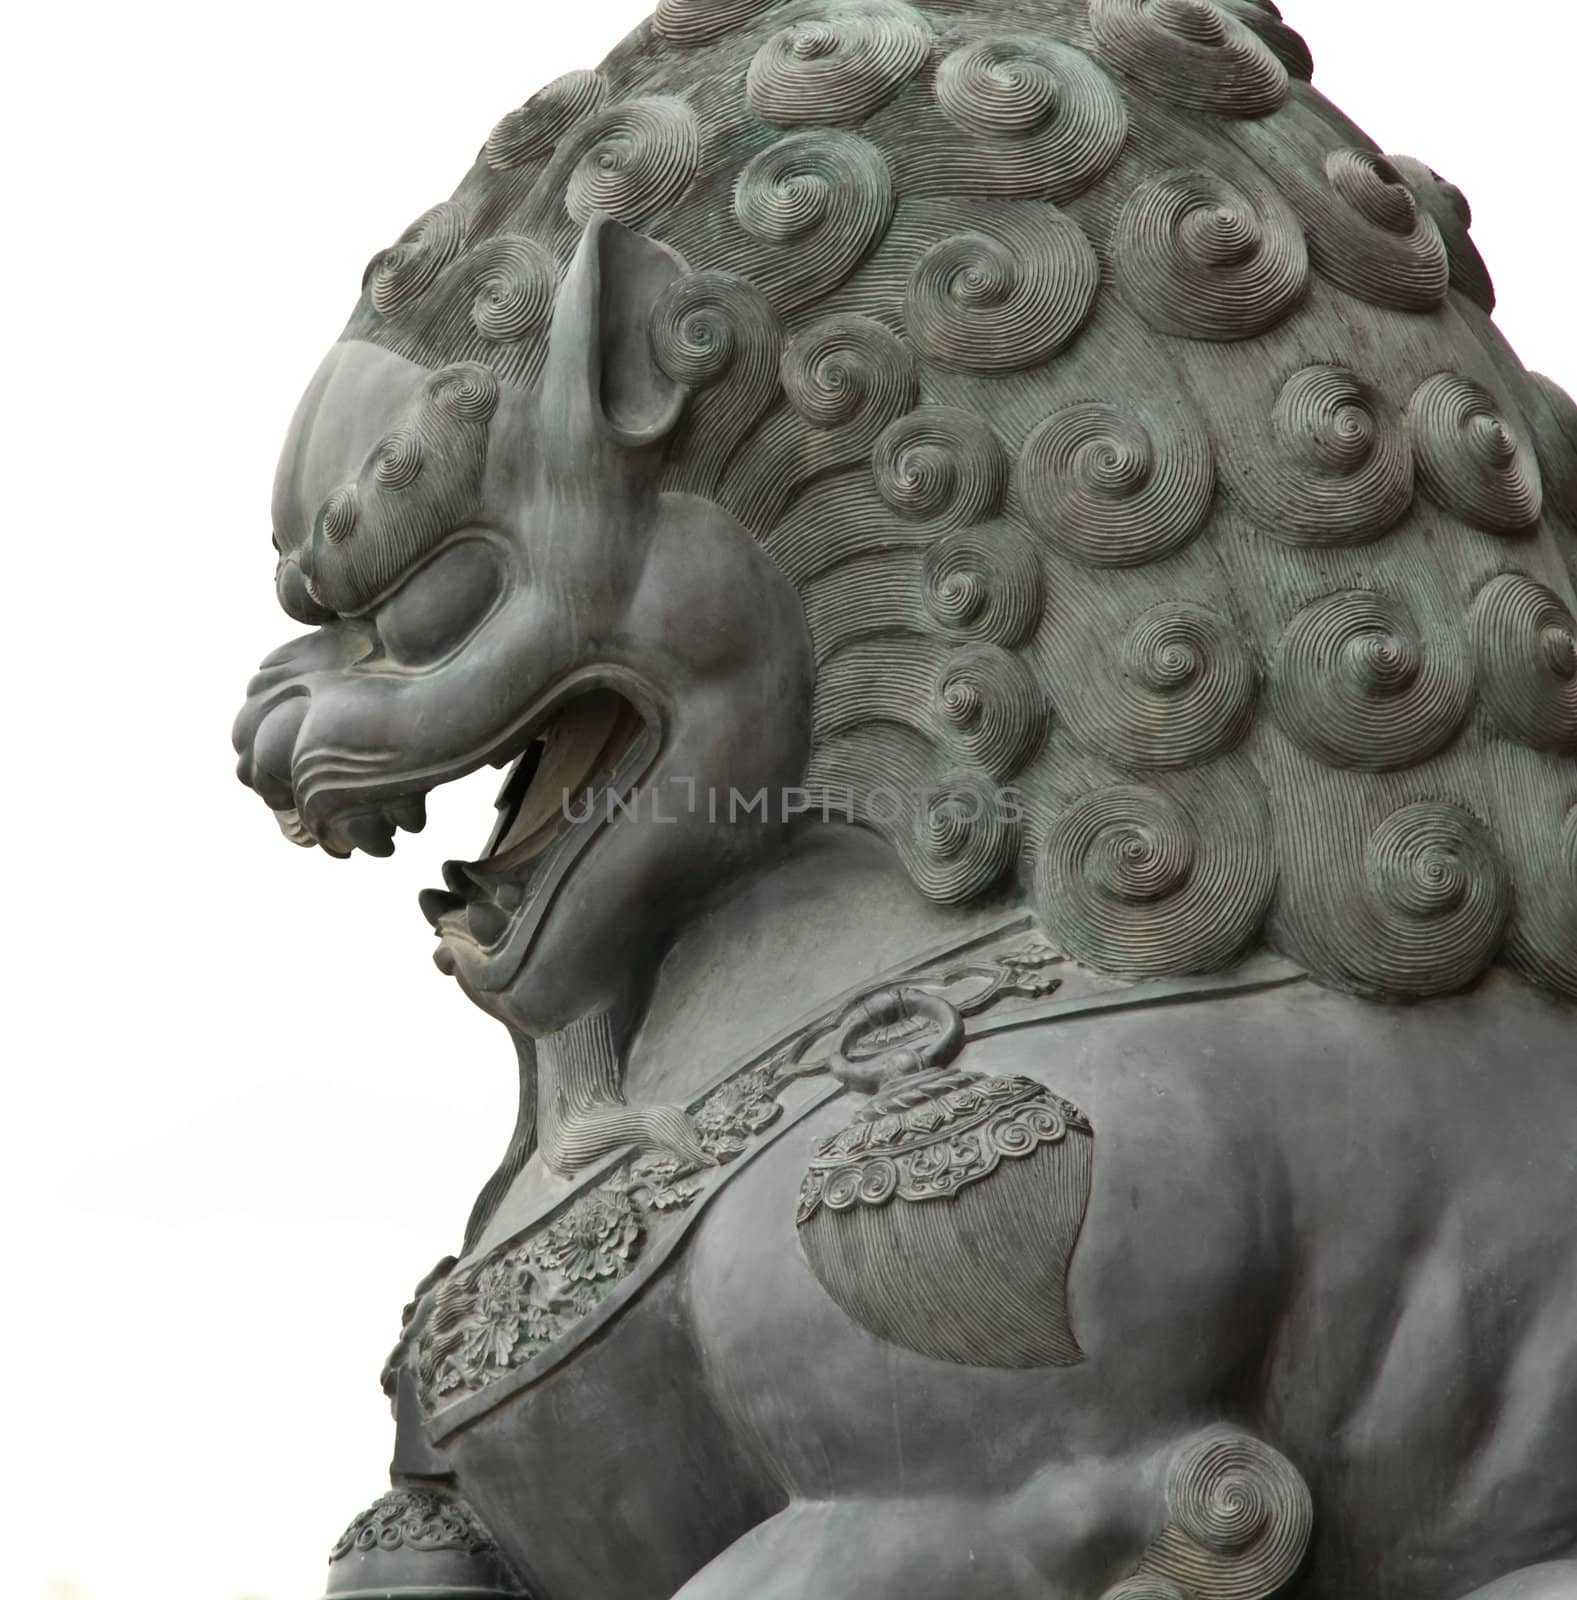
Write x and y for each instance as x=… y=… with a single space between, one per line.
x=295 y=591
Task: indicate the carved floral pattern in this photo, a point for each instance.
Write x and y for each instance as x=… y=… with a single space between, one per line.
x=745 y=1106
x=598 y=1237
x=1022 y=971
x=931 y=1137
x=522 y=1299
x=493 y=1317
x=415 y=1519
x=525 y=1297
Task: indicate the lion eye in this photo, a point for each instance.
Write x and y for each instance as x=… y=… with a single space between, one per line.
x=442 y=603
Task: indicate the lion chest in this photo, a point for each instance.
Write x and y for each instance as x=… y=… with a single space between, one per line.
x=614 y=1475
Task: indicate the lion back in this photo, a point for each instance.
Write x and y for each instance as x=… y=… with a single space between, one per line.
x=1178 y=537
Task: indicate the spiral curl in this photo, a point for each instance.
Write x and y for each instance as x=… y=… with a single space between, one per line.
x=818 y=202
x=1185 y=693
x=1337 y=468
x=635 y=160
x=711 y=325
x=1438 y=898
x=1223 y=1495
x=1191 y=53
x=844 y=380
x=1026 y=118
x=838 y=69
x=1240 y=1518
x=849 y=372
x=1140 y=883
x=516 y=283
x=532 y=130
x=1470 y=459
x=717 y=334
x=1554 y=416
x=408 y=268
x=983 y=583
x=990 y=708
x=1369 y=235
x=1198 y=257
x=1453 y=216
x=962 y=840
x=1286 y=44
x=691 y=23
x=980 y=703
x=1023 y=1133
x=941 y=467
x=467 y=392
x=397 y=461
x=339 y=515
x=1115 y=490
x=1010 y=86
x=1525 y=639
x=1357 y=683
x=1003 y=300
x=1374 y=189
x=421 y=482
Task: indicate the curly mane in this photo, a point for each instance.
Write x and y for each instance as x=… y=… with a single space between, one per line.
x=1164 y=504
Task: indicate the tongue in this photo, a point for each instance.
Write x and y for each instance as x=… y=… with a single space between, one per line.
x=512 y=797
x=436 y=905
x=579 y=748
x=488 y=922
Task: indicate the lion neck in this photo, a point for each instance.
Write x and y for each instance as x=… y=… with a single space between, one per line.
x=837 y=910
x=834 y=911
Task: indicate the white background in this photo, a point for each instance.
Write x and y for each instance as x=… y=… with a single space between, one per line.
x=243 y=1115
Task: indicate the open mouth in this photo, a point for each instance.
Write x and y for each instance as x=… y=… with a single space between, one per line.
x=559 y=789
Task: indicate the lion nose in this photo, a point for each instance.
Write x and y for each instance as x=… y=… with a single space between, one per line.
x=266 y=757
x=295 y=594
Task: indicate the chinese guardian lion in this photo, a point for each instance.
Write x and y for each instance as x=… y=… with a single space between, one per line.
x=1028 y=614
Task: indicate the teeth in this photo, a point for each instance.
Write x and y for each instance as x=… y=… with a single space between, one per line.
x=374 y=835
x=294 y=829
x=410 y=813
x=478 y=881
x=488 y=902
x=436 y=905
x=488 y=922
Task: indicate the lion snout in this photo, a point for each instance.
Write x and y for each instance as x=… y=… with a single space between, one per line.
x=266 y=748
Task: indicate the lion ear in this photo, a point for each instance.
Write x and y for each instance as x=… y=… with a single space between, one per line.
x=603 y=384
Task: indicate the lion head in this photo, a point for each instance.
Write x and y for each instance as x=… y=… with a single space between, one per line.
x=1044 y=432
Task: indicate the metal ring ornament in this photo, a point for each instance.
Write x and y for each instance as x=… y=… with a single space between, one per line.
x=939 y=1041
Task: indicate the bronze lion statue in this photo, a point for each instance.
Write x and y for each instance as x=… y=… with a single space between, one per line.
x=1028 y=614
